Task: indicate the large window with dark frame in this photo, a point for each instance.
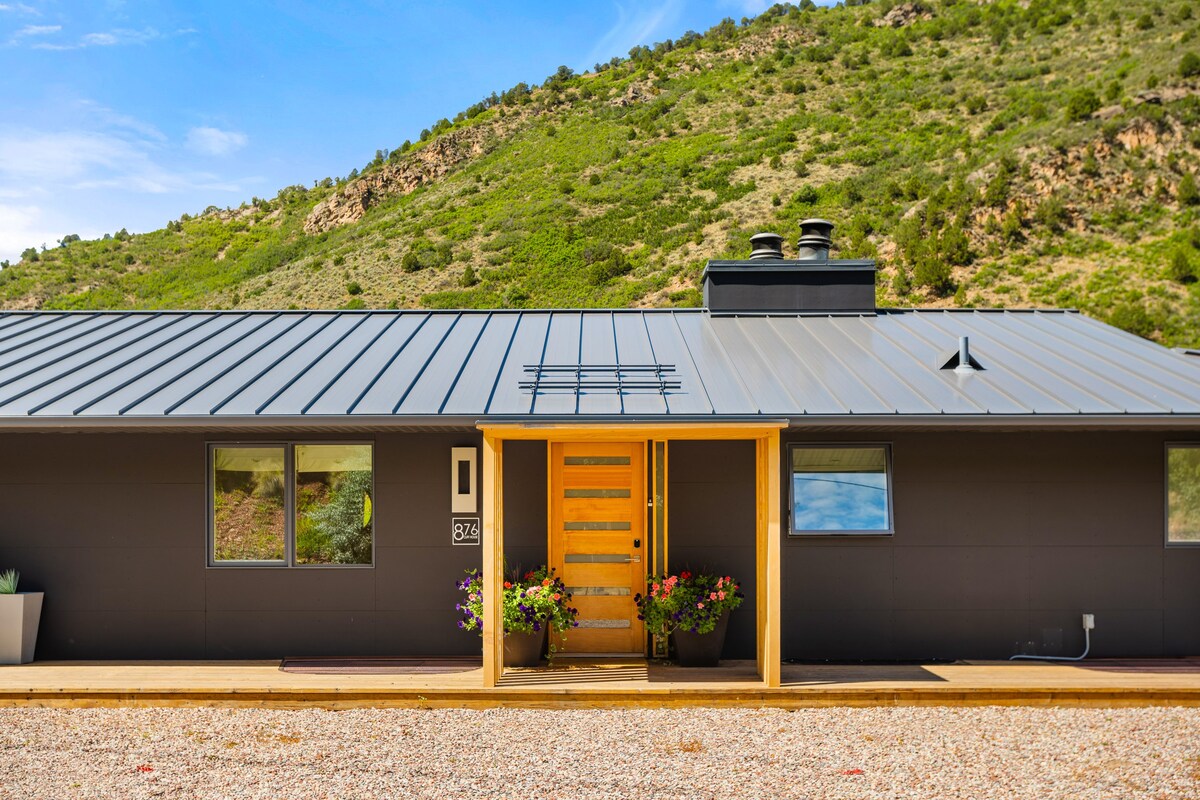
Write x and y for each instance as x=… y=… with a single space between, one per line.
x=285 y=504
x=1183 y=493
x=840 y=489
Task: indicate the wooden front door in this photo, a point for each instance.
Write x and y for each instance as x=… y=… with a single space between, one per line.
x=598 y=541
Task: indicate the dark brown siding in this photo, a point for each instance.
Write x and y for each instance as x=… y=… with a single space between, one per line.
x=711 y=523
x=525 y=511
x=112 y=527
x=1002 y=539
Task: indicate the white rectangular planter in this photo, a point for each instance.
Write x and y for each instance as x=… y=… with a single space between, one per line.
x=19 y=617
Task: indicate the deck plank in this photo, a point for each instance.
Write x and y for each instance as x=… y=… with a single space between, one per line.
x=610 y=683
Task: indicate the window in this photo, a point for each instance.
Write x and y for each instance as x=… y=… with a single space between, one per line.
x=1183 y=494
x=841 y=489
x=291 y=504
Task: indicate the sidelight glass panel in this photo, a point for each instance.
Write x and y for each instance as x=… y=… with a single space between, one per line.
x=840 y=490
x=1183 y=494
x=334 y=488
x=248 y=504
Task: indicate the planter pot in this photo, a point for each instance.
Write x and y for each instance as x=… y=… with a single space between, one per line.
x=19 y=617
x=524 y=649
x=701 y=649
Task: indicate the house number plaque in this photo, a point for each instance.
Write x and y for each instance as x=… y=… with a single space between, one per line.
x=464 y=530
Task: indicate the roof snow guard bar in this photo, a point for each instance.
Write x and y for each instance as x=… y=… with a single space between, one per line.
x=619 y=378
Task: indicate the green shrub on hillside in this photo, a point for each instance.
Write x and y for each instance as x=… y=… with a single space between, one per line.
x=1081 y=104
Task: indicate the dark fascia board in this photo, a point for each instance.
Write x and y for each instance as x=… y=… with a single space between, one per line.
x=790 y=265
x=382 y=422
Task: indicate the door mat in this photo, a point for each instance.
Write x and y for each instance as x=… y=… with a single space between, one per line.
x=378 y=665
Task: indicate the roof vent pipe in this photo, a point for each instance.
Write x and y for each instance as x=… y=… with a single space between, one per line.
x=964 y=355
x=815 y=239
x=766 y=245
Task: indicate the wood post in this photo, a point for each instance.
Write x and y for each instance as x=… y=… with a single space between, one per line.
x=493 y=560
x=767 y=550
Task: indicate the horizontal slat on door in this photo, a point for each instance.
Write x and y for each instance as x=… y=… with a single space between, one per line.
x=602 y=607
x=597 y=508
x=599 y=591
x=595 y=493
x=596 y=461
x=598 y=525
x=598 y=574
x=572 y=449
x=596 y=478
x=596 y=542
x=601 y=640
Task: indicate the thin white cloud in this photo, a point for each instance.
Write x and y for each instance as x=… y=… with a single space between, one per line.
x=111 y=38
x=36 y=156
x=214 y=141
x=92 y=160
x=107 y=150
x=19 y=8
x=104 y=117
x=36 y=30
x=641 y=25
x=119 y=36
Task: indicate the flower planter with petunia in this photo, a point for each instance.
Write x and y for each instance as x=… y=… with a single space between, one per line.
x=695 y=609
x=532 y=605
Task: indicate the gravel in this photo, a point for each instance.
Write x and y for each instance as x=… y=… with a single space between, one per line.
x=988 y=752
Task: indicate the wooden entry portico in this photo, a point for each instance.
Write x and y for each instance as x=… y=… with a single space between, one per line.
x=765 y=434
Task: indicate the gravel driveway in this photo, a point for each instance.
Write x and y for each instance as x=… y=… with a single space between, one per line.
x=923 y=753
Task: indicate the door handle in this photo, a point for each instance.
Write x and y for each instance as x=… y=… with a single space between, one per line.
x=637 y=542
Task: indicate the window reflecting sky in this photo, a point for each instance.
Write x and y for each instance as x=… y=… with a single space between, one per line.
x=840 y=501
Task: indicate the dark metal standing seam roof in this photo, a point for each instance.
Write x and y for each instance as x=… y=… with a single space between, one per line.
x=458 y=367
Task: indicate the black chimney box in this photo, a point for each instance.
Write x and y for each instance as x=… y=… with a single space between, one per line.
x=811 y=284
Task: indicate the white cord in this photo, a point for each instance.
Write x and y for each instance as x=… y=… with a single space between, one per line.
x=1087 y=645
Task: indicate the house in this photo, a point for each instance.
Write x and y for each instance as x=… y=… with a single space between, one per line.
x=887 y=484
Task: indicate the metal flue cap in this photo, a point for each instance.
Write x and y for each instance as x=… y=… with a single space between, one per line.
x=815 y=238
x=766 y=245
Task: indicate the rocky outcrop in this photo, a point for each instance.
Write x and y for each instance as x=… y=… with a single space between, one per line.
x=426 y=165
x=636 y=92
x=1139 y=133
x=903 y=15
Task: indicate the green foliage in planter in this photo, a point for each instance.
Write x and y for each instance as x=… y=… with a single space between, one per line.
x=530 y=602
x=687 y=602
x=8 y=581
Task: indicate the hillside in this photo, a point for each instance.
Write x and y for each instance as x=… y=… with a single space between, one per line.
x=1036 y=153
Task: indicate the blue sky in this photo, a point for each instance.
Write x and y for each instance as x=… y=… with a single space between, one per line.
x=125 y=114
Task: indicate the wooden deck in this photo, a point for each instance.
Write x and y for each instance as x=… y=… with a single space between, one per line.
x=603 y=684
